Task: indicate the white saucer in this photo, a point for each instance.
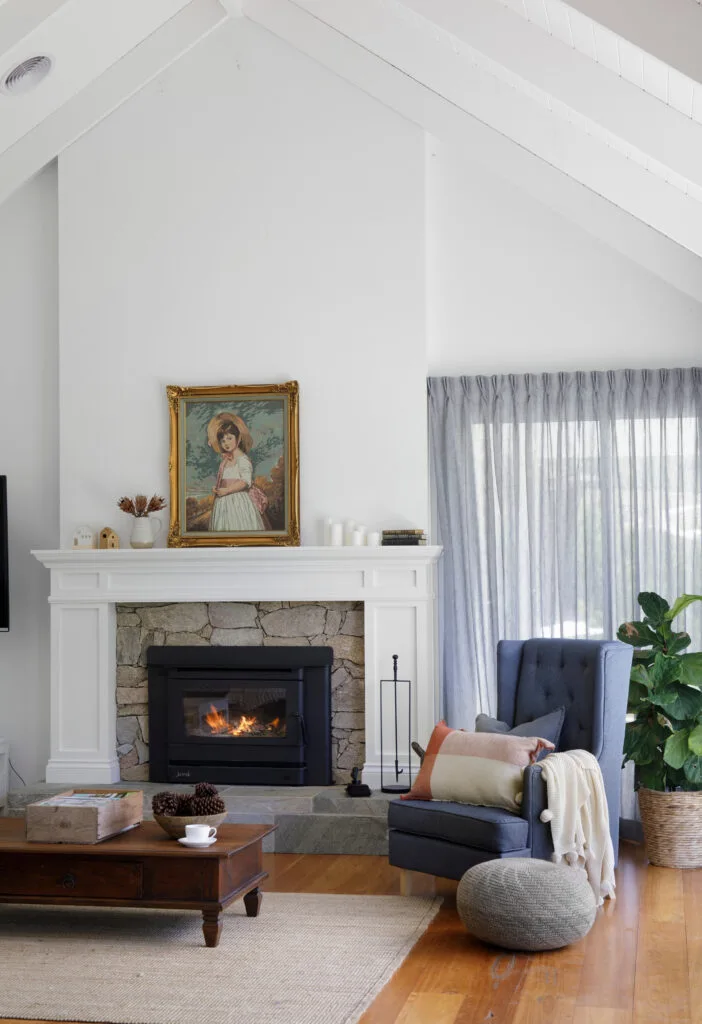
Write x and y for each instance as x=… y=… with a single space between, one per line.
x=198 y=846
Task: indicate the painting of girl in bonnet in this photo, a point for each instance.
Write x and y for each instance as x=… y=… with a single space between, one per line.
x=234 y=475
x=238 y=503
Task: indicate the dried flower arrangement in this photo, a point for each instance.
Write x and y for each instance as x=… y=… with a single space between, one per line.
x=141 y=506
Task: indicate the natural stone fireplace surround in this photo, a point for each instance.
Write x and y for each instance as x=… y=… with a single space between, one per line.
x=395 y=585
x=335 y=624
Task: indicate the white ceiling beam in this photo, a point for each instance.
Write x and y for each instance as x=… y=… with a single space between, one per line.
x=528 y=59
x=122 y=80
x=668 y=29
x=551 y=160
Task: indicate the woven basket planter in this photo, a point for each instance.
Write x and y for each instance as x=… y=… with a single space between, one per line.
x=672 y=825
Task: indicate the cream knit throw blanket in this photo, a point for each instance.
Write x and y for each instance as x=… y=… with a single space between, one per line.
x=577 y=811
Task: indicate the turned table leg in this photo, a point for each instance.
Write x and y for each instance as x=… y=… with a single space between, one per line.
x=252 y=902
x=211 y=927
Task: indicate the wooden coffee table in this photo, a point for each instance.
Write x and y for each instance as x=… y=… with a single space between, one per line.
x=140 y=868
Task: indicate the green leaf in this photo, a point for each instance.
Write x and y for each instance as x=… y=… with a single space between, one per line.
x=678 y=642
x=691 y=668
x=641 y=741
x=651 y=776
x=676 y=779
x=641 y=675
x=664 y=670
x=693 y=771
x=637 y=694
x=654 y=607
x=643 y=656
x=638 y=634
x=695 y=740
x=682 y=702
x=676 y=749
x=681 y=604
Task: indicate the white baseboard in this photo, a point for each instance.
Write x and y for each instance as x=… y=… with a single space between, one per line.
x=372 y=777
x=83 y=773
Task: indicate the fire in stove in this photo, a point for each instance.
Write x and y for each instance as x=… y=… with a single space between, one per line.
x=245 y=725
x=215 y=722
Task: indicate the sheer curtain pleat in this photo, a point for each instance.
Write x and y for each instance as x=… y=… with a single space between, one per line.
x=558 y=498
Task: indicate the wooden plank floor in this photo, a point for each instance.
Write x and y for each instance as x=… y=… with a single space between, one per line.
x=640 y=964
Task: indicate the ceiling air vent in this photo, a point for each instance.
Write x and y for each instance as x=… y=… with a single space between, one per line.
x=26 y=75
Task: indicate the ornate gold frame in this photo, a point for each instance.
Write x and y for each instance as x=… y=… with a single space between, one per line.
x=291 y=535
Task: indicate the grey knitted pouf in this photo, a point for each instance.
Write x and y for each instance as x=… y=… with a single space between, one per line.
x=525 y=904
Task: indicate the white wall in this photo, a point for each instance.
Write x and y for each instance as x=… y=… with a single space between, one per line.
x=247 y=218
x=513 y=287
x=29 y=458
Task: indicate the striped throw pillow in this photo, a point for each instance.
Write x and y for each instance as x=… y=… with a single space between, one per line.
x=475 y=768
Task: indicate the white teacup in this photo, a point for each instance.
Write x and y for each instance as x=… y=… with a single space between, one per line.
x=200 y=833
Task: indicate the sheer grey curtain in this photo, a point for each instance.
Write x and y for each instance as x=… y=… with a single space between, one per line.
x=558 y=497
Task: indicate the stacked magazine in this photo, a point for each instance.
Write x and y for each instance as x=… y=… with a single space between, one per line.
x=81 y=799
x=403 y=537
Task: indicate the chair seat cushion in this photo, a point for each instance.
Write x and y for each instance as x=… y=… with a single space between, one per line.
x=483 y=828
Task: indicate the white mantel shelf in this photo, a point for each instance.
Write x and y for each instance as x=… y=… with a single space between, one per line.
x=241 y=574
x=396 y=584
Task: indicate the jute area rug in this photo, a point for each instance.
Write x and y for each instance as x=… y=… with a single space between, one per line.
x=307 y=959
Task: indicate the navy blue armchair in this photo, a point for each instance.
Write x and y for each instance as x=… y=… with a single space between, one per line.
x=591 y=679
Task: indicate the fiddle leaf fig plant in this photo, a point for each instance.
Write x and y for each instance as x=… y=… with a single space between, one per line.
x=664 y=736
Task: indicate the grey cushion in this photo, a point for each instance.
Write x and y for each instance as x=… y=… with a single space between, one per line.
x=526 y=904
x=482 y=828
x=548 y=727
x=437 y=856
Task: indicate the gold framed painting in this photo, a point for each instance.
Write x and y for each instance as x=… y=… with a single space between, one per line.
x=234 y=465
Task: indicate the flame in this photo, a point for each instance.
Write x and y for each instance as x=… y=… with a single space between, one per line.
x=218 y=725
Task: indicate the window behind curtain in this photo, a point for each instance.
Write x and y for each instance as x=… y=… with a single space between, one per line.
x=558 y=497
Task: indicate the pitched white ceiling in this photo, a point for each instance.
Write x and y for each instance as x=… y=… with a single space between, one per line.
x=594 y=98
x=456 y=66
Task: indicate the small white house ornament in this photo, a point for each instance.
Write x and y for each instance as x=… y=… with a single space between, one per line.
x=84 y=539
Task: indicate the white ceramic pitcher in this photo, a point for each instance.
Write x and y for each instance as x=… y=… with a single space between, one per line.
x=143 y=535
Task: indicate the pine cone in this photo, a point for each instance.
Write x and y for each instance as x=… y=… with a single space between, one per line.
x=206 y=805
x=185 y=805
x=205 y=789
x=165 y=804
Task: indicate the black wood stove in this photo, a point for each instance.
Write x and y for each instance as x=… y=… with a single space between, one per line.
x=240 y=715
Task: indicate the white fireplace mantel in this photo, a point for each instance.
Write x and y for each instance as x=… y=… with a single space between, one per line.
x=396 y=584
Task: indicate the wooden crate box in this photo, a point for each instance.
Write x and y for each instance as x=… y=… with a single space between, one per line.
x=83 y=815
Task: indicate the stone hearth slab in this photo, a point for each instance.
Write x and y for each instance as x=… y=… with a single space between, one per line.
x=310 y=819
x=331 y=833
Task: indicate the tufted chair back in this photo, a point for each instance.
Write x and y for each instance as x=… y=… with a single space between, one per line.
x=590 y=678
x=536 y=676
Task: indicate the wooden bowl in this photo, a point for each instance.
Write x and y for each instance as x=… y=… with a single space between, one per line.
x=174 y=824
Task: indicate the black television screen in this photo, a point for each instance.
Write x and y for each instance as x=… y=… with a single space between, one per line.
x=4 y=567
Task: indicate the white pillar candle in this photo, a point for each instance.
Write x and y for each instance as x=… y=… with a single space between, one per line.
x=326 y=530
x=373 y=539
x=336 y=535
x=349 y=527
x=357 y=538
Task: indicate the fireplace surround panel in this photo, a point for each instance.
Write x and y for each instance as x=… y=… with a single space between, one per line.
x=395 y=584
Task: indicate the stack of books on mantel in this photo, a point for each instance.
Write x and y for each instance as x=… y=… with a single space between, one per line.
x=412 y=538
